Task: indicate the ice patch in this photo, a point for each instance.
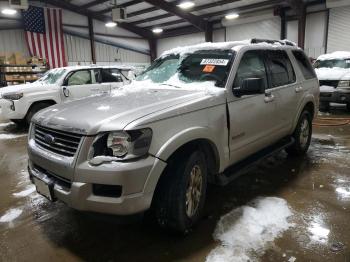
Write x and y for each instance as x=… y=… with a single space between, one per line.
x=11 y=215
x=245 y=232
x=11 y=136
x=26 y=192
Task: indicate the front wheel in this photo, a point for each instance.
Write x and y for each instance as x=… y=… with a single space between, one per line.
x=34 y=109
x=182 y=192
x=302 y=135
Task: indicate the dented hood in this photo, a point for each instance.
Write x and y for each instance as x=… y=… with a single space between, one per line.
x=89 y=116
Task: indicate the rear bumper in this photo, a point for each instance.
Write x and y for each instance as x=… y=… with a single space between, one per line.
x=342 y=97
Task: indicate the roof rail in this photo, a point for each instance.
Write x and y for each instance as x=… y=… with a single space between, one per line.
x=269 y=41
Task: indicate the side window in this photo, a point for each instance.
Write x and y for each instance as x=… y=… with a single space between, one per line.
x=81 y=77
x=281 y=68
x=111 y=75
x=304 y=65
x=251 y=66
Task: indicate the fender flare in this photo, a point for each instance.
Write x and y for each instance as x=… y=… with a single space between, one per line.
x=306 y=99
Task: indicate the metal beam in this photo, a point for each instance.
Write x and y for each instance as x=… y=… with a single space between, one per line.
x=74 y=8
x=171 y=8
x=92 y=39
x=108 y=9
x=241 y=9
x=152 y=49
x=93 y=3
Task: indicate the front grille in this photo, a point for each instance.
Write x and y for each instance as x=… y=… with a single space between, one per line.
x=333 y=83
x=57 y=141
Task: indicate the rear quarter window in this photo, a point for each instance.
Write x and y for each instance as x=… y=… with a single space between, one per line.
x=304 y=64
x=281 y=68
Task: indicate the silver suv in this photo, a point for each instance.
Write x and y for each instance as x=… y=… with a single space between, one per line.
x=200 y=114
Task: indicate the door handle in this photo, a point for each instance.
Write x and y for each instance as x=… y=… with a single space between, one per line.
x=65 y=91
x=269 y=98
x=298 y=89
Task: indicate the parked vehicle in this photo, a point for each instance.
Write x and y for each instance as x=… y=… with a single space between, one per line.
x=198 y=115
x=19 y=103
x=333 y=72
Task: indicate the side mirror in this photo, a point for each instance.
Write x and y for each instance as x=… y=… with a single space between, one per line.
x=250 y=86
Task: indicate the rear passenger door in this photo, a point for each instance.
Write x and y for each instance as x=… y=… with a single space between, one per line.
x=284 y=88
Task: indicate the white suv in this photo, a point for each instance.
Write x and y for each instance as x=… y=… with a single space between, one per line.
x=19 y=103
x=198 y=115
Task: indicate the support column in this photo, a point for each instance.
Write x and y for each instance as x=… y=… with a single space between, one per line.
x=209 y=33
x=92 y=39
x=301 y=26
x=152 y=48
x=283 y=25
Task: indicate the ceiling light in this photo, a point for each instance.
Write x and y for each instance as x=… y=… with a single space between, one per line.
x=8 y=11
x=157 y=30
x=186 y=5
x=232 y=16
x=111 y=24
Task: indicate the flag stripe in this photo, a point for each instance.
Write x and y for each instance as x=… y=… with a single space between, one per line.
x=62 y=41
x=44 y=34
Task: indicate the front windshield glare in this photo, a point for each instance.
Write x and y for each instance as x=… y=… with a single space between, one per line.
x=52 y=76
x=200 y=66
x=341 y=63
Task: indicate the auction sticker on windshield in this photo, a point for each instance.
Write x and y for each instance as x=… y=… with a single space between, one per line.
x=214 y=61
x=208 y=68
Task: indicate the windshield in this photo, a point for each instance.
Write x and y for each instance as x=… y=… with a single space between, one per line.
x=52 y=76
x=200 y=66
x=341 y=63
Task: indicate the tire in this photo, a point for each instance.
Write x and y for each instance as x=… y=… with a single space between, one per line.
x=324 y=107
x=34 y=109
x=174 y=195
x=302 y=135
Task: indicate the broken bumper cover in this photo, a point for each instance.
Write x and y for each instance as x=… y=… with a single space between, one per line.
x=131 y=177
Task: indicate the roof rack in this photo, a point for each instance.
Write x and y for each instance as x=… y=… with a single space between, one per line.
x=269 y=41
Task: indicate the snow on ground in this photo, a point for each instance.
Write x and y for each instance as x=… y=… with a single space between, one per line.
x=11 y=215
x=245 y=232
x=26 y=192
x=6 y=124
x=11 y=136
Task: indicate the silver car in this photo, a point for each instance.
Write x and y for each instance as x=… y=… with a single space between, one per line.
x=198 y=115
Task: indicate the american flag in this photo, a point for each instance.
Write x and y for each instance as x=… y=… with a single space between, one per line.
x=44 y=35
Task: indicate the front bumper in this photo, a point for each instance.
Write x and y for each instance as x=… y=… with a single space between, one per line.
x=74 y=181
x=338 y=96
x=11 y=109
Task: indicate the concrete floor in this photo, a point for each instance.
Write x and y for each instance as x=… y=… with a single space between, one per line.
x=316 y=187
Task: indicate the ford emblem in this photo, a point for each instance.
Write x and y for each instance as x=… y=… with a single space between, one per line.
x=49 y=139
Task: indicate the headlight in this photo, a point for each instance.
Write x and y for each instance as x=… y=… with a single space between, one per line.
x=12 y=96
x=120 y=145
x=344 y=84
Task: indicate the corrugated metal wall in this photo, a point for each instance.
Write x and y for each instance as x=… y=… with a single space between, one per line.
x=77 y=49
x=315 y=34
x=13 y=41
x=266 y=29
x=339 y=29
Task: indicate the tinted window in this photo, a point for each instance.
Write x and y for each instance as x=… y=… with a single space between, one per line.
x=81 y=77
x=282 y=72
x=304 y=65
x=109 y=76
x=251 y=66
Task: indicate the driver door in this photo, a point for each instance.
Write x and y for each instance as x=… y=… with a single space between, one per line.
x=252 y=117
